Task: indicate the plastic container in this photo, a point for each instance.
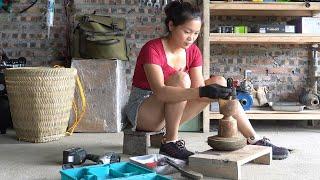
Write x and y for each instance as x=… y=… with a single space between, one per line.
x=155 y=162
x=122 y=170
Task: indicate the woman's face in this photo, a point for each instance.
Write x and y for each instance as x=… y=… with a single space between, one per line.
x=184 y=35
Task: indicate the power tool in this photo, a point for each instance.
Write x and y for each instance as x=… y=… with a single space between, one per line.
x=77 y=156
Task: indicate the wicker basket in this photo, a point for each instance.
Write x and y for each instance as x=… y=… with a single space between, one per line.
x=40 y=101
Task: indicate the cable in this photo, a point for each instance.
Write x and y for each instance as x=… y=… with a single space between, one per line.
x=23 y=10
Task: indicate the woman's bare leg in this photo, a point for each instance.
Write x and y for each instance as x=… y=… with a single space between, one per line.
x=243 y=122
x=195 y=107
x=154 y=114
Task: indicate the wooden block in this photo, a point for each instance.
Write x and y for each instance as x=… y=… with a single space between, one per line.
x=227 y=164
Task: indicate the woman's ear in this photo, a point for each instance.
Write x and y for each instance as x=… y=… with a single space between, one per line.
x=170 y=26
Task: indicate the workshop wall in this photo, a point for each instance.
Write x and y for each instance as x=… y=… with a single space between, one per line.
x=26 y=34
x=283 y=68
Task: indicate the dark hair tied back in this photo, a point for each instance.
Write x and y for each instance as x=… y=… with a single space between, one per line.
x=180 y=12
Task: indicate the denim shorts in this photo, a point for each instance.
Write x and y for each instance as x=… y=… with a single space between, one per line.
x=136 y=98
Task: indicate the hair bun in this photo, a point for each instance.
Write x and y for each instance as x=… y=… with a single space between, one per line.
x=173 y=6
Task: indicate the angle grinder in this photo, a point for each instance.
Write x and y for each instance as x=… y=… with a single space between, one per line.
x=77 y=156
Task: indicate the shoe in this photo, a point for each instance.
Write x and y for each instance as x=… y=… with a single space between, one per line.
x=278 y=153
x=176 y=150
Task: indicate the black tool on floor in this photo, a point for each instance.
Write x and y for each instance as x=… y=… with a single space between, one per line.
x=77 y=156
x=185 y=173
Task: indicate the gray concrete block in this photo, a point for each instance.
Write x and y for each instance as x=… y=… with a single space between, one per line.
x=137 y=142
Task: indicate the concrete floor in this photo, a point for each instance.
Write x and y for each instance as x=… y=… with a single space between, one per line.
x=23 y=160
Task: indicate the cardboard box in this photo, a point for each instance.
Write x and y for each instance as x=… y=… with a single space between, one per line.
x=106 y=92
x=307 y=25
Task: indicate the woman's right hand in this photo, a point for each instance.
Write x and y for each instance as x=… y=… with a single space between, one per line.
x=214 y=91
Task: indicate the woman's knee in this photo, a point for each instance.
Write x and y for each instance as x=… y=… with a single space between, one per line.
x=216 y=80
x=179 y=79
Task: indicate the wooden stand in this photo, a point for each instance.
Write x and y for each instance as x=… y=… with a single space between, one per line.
x=227 y=164
x=228 y=138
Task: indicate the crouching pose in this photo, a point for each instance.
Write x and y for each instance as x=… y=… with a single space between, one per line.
x=168 y=87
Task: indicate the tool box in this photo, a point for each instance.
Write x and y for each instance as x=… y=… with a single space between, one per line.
x=121 y=170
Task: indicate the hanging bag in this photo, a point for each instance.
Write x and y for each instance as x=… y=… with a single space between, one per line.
x=100 y=37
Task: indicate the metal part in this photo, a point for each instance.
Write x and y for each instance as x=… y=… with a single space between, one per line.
x=315 y=60
x=142 y=2
x=310 y=96
x=157 y=4
x=231 y=84
x=149 y=3
x=189 y=174
x=165 y=2
x=310 y=99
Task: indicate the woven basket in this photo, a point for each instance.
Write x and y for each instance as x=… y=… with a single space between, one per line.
x=40 y=101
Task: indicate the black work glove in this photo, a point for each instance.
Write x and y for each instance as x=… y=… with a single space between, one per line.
x=214 y=91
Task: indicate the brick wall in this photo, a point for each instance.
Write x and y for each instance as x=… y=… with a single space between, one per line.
x=283 y=68
x=26 y=34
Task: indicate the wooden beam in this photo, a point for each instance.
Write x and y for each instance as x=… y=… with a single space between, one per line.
x=280 y=38
x=264 y=9
x=264 y=6
x=206 y=59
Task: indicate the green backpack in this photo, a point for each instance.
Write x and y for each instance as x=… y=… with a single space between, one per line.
x=100 y=37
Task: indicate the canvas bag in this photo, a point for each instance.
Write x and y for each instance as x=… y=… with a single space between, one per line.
x=100 y=37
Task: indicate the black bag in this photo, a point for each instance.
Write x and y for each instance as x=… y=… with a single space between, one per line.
x=100 y=37
x=5 y=115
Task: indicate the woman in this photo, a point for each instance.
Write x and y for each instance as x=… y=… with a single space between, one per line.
x=168 y=86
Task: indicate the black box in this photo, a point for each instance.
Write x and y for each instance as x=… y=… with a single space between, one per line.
x=275 y=29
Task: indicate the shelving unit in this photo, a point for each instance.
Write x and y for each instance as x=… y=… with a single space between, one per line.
x=222 y=8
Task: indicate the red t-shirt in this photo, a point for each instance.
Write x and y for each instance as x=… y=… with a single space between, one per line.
x=153 y=53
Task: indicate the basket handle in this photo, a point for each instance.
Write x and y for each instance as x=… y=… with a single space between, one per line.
x=78 y=115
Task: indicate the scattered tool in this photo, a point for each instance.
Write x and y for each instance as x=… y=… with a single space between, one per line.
x=50 y=15
x=77 y=156
x=149 y=3
x=185 y=173
x=310 y=96
x=157 y=4
x=165 y=2
x=141 y=2
x=228 y=138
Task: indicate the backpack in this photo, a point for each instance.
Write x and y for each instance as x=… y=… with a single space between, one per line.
x=100 y=37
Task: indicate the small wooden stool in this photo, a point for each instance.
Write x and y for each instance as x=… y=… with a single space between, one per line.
x=137 y=142
x=227 y=164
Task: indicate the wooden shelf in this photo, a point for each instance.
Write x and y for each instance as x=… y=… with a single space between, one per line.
x=267 y=113
x=264 y=8
x=223 y=8
x=250 y=38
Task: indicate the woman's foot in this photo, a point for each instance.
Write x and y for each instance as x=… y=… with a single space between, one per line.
x=176 y=150
x=278 y=153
